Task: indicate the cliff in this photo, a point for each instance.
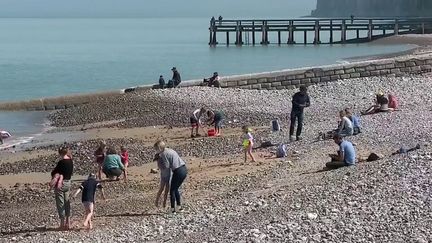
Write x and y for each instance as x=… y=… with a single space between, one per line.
x=373 y=8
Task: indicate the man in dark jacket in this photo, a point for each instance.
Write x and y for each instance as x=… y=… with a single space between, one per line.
x=161 y=82
x=176 y=77
x=300 y=100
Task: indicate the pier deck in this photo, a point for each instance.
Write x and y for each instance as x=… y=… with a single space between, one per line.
x=324 y=31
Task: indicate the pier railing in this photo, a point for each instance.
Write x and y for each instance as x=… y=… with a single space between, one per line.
x=325 y=31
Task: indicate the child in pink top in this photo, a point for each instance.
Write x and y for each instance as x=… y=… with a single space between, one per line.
x=124 y=155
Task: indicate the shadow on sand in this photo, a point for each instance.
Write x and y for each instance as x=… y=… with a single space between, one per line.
x=35 y=230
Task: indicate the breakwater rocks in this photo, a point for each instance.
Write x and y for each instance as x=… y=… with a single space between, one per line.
x=277 y=80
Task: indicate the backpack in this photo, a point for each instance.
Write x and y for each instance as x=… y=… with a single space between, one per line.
x=281 y=151
x=275 y=125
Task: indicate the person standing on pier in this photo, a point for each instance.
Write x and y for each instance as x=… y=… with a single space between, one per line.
x=176 y=79
x=300 y=100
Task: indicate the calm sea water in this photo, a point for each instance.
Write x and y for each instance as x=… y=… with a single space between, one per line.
x=50 y=57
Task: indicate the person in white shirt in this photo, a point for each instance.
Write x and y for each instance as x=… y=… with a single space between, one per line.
x=345 y=126
x=195 y=121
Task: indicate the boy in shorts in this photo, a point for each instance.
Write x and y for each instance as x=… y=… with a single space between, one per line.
x=88 y=189
x=216 y=118
x=195 y=121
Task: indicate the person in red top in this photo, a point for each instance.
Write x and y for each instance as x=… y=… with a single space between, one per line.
x=100 y=157
x=124 y=155
x=393 y=103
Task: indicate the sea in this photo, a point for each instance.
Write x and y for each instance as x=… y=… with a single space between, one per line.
x=41 y=57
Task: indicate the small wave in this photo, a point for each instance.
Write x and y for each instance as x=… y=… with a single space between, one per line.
x=9 y=143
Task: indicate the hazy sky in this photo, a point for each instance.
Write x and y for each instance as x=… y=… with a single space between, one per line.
x=155 y=8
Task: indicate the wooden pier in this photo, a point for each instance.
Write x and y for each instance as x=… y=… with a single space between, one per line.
x=324 y=31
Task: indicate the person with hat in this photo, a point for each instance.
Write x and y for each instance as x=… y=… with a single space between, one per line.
x=213 y=81
x=346 y=155
x=88 y=189
x=381 y=105
x=176 y=79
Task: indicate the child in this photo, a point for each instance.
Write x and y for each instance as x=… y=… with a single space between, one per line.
x=248 y=143
x=216 y=118
x=165 y=174
x=124 y=155
x=196 y=122
x=88 y=189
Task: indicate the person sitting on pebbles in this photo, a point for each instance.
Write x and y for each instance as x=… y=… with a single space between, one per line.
x=213 y=81
x=355 y=120
x=216 y=118
x=196 y=121
x=381 y=105
x=345 y=126
x=346 y=156
x=112 y=166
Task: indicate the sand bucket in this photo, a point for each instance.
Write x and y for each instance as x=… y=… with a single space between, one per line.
x=211 y=132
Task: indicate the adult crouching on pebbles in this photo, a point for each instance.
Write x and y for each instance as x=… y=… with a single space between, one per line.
x=112 y=166
x=300 y=100
x=346 y=155
x=63 y=168
x=172 y=160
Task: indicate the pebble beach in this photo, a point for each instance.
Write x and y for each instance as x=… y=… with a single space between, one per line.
x=272 y=200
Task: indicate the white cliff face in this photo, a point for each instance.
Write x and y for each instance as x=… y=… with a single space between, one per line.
x=373 y=8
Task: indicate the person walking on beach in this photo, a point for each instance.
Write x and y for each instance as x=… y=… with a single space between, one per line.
x=64 y=169
x=300 y=100
x=346 y=155
x=248 y=142
x=176 y=78
x=172 y=160
x=100 y=157
x=88 y=189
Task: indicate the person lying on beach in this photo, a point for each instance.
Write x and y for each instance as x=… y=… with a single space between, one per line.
x=165 y=177
x=196 y=121
x=355 y=120
x=346 y=155
x=381 y=105
x=248 y=142
x=216 y=118
x=213 y=81
x=88 y=189
x=112 y=166
x=124 y=156
x=100 y=157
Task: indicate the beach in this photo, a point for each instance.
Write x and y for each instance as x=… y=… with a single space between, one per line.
x=226 y=200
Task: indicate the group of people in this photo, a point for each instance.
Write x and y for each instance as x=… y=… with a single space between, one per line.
x=213 y=118
x=173 y=82
x=348 y=125
x=172 y=169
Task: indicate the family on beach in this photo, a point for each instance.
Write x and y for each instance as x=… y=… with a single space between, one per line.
x=172 y=167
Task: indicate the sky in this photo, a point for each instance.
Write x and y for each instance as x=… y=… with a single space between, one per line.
x=156 y=8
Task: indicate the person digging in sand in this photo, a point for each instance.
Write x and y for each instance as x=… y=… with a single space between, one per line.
x=196 y=121
x=165 y=177
x=346 y=155
x=216 y=118
x=248 y=142
x=88 y=189
x=172 y=160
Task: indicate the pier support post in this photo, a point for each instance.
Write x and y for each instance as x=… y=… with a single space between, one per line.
x=396 y=27
x=291 y=33
x=343 y=31
x=423 y=28
x=253 y=32
x=384 y=32
x=331 y=32
x=305 y=37
x=211 y=36
x=238 y=33
x=227 y=38
x=214 y=41
x=264 y=37
x=358 y=33
x=279 y=37
x=370 y=30
x=317 y=33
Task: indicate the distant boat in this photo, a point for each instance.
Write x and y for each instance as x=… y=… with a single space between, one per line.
x=5 y=134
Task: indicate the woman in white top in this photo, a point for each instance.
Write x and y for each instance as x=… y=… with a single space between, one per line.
x=345 y=127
